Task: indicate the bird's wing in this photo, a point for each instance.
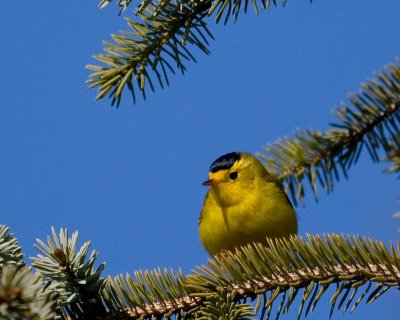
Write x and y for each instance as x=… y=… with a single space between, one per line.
x=279 y=184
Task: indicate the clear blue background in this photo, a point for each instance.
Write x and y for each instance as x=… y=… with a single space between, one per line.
x=130 y=179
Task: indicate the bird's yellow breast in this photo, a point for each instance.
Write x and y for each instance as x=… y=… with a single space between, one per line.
x=234 y=215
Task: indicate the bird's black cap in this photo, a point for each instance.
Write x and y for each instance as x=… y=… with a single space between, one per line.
x=225 y=162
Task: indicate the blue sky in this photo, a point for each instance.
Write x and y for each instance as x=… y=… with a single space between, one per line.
x=130 y=179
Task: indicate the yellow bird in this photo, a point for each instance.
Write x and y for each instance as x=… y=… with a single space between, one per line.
x=244 y=204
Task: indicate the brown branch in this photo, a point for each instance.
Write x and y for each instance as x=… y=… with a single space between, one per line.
x=302 y=278
x=357 y=274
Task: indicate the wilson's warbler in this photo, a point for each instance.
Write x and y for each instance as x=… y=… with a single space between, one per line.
x=244 y=204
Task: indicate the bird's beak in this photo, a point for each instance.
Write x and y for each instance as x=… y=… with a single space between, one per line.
x=215 y=178
x=209 y=182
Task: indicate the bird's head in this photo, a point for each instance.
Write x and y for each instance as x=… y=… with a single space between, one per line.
x=234 y=174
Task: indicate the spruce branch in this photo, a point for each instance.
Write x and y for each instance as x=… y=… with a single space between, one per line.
x=274 y=274
x=21 y=292
x=371 y=122
x=355 y=268
x=149 y=294
x=220 y=7
x=157 y=39
x=123 y=4
x=70 y=275
x=393 y=155
x=287 y=266
x=395 y=159
x=150 y=47
x=224 y=306
x=22 y=296
x=10 y=251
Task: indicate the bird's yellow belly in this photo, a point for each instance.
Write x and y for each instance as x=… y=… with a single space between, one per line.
x=241 y=224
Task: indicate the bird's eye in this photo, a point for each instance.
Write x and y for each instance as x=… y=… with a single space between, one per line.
x=233 y=175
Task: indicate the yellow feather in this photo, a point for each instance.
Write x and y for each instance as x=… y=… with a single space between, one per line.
x=244 y=209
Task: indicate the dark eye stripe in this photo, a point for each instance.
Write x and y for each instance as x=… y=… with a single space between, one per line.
x=225 y=162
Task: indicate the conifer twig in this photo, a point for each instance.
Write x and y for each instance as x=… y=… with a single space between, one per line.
x=320 y=158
